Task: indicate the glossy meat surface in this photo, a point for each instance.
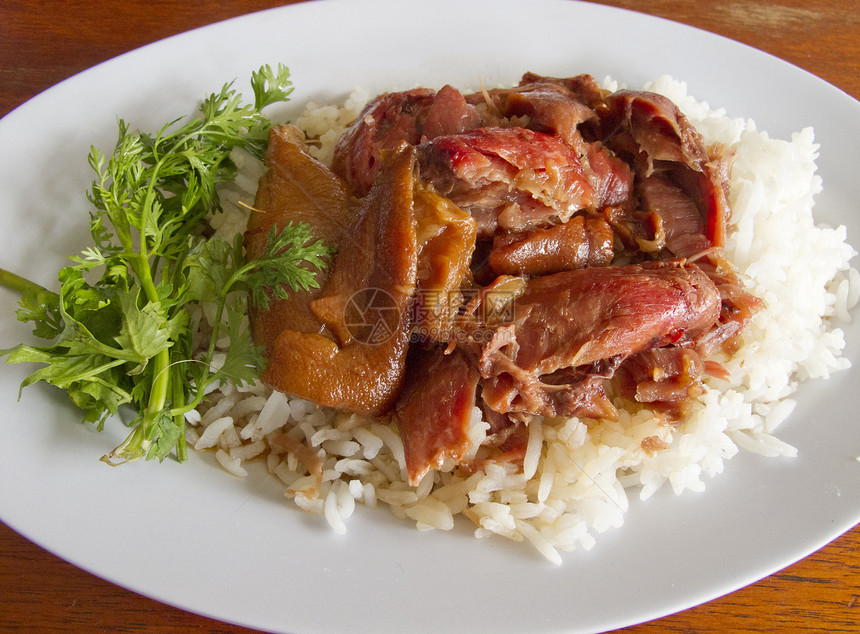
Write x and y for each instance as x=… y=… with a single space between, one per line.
x=580 y=242
x=355 y=358
x=295 y=188
x=410 y=116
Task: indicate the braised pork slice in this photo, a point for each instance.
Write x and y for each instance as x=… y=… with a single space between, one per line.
x=509 y=179
x=434 y=410
x=542 y=106
x=671 y=163
x=354 y=356
x=560 y=107
x=391 y=118
x=584 y=321
x=295 y=188
x=582 y=241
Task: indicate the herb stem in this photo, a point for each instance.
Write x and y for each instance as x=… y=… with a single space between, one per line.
x=22 y=284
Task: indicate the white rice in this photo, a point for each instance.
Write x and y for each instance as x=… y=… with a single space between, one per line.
x=577 y=479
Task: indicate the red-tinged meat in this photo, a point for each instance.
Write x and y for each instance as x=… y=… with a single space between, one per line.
x=609 y=176
x=580 y=317
x=593 y=316
x=434 y=410
x=355 y=357
x=295 y=188
x=509 y=179
x=384 y=122
x=391 y=118
x=559 y=107
x=710 y=191
x=581 y=241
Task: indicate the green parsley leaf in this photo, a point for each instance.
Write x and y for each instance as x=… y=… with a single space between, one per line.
x=125 y=338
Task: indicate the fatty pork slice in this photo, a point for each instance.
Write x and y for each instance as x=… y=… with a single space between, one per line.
x=391 y=118
x=508 y=179
x=678 y=178
x=434 y=410
x=295 y=188
x=353 y=357
x=571 y=329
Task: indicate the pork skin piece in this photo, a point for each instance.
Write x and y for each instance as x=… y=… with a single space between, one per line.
x=391 y=118
x=373 y=279
x=434 y=410
x=295 y=188
x=508 y=179
x=582 y=241
x=446 y=241
x=590 y=319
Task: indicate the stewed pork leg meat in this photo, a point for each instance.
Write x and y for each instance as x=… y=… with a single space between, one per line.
x=550 y=249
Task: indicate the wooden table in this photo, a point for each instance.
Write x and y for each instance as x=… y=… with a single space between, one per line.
x=41 y=44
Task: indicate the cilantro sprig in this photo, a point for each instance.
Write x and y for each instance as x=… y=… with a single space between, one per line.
x=119 y=327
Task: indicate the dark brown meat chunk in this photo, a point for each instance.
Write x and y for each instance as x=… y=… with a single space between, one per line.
x=581 y=241
x=434 y=410
x=683 y=227
x=509 y=179
x=355 y=357
x=663 y=376
x=657 y=126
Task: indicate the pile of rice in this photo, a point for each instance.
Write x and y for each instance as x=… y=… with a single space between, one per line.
x=577 y=478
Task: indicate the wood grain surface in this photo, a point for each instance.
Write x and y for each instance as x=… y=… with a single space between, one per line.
x=44 y=43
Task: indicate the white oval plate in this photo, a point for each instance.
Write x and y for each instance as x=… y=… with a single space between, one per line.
x=194 y=537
